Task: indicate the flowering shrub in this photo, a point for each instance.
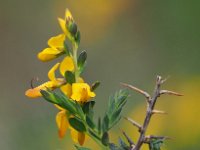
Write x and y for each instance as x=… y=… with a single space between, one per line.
x=75 y=98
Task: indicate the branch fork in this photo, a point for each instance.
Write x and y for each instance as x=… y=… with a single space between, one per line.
x=151 y=101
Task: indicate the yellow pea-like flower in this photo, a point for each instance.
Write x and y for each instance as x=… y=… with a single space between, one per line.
x=66 y=65
x=62 y=123
x=62 y=22
x=78 y=137
x=55 y=49
x=78 y=91
x=81 y=92
x=52 y=84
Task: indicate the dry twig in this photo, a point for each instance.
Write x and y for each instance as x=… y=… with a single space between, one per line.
x=151 y=101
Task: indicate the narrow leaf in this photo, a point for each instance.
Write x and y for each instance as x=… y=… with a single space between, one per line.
x=115 y=115
x=78 y=37
x=73 y=28
x=49 y=96
x=70 y=77
x=112 y=146
x=115 y=122
x=87 y=106
x=123 y=144
x=66 y=103
x=105 y=139
x=77 y=124
x=94 y=135
x=155 y=144
x=90 y=122
x=79 y=110
x=105 y=123
x=81 y=59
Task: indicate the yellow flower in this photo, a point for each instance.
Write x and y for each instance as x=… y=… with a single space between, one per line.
x=55 y=49
x=77 y=91
x=62 y=22
x=63 y=125
x=81 y=92
x=52 y=84
x=66 y=65
x=67 y=88
x=78 y=137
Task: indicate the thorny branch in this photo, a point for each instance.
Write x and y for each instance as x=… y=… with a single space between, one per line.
x=151 y=101
x=128 y=139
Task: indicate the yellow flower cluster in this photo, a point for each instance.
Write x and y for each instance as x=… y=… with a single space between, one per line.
x=78 y=90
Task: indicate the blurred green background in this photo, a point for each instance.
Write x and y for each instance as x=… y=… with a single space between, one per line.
x=127 y=41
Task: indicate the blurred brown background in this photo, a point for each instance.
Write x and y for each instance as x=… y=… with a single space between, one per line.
x=127 y=41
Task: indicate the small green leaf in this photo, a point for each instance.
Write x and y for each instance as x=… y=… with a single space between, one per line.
x=49 y=96
x=94 y=134
x=95 y=85
x=115 y=122
x=116 y=102
x=115 y=116
x=73 y=28
x=111 y=104
x=77 y=124
x=122 y=98
x=82 y=59
x=112 y=146
x=78 y=37
x=105 y=139
x=81 y=148
x=79 y=110
x=123 y=145
x=155 y=144
x=66 y=103
x=70 y=77
x=82 y=68
x=105 y=123
x=90 y=122
x=63 y=101
x=88 y=106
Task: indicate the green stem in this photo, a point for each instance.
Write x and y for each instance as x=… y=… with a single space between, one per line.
x=103 y=147
x=76 y=71
x=96 y=139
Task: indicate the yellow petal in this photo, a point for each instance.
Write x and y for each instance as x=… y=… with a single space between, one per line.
x=48 y=54
x=66 y=65
x=90 y=94
x=62 y=25
x=77 y=137
x=67 y=90
x=57 y=41
x=81 y=138
x=35 y=92
x=62 y=123
x=68 y=15
x=81 y=92
x=74 y=135
x=51 y=73
x=80 y=80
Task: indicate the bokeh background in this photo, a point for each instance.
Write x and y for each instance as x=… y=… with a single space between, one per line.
x=127 y=41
